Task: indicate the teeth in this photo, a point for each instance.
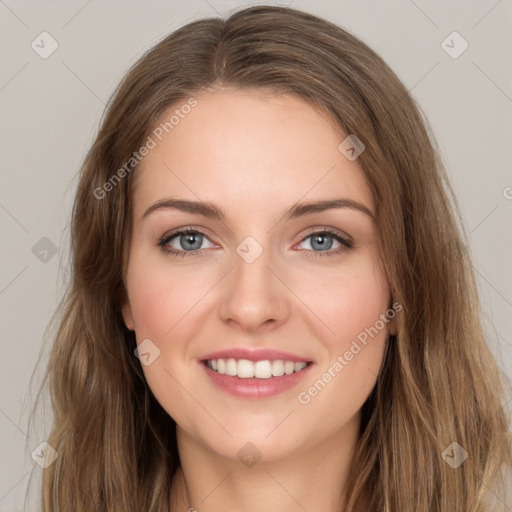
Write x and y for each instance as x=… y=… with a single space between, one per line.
x=278 y=368
x=299 y=366
x=263 y=369
x=246 y=369
x=289 y=367
x=231 y=367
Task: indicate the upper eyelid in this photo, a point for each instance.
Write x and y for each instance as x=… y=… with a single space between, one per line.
x=331 y=231
x=180 y=231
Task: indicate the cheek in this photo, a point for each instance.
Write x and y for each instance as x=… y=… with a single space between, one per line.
x=151 y=296
x=351 y=304
x=348 y=300
x=161 y=304
x=160 y=295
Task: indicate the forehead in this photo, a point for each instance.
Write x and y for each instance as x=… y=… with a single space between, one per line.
x=248 y=147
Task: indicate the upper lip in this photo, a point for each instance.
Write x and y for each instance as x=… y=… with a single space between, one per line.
x=258 y=354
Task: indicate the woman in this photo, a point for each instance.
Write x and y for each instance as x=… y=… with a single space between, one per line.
x=318 y=345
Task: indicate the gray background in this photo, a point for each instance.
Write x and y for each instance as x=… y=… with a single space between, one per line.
x=50 y=111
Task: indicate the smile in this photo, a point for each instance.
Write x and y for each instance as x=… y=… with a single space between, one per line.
x=264 y=369
x=255 y=379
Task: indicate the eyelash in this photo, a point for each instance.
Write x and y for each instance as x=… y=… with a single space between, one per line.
x=162 y=243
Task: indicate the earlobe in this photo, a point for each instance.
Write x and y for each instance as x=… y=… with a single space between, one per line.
x=126 y=311
x=127 y=316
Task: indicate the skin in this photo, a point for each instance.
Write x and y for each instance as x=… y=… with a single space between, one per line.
x=254 y=155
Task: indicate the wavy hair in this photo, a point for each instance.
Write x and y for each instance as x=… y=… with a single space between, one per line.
x=439 y=382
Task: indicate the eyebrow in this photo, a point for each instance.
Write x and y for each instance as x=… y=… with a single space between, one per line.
x=210 y=210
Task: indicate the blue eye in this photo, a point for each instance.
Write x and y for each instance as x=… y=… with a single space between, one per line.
x=191 y=240
x=323 y=241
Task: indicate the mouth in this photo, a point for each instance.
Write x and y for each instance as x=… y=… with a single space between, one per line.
x=254 y=374
x=260 y=369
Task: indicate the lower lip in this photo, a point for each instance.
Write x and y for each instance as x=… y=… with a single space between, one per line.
x=255 y=388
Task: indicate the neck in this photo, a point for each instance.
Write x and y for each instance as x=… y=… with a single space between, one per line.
x=310 y=479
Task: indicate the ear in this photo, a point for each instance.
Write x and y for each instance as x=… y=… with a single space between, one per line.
x=126 y=310
x=128 y=317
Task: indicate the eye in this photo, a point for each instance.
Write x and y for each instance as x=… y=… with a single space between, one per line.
x=188 y=242
x=322 y=241
x=183 y=242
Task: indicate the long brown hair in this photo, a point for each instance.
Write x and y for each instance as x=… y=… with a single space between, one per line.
x=439 y=383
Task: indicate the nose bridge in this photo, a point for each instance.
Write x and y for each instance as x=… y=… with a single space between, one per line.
x=253 y=294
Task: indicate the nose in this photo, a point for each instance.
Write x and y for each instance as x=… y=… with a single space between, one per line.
x=254 y=296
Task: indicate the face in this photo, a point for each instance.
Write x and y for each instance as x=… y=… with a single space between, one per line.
x=255 y=285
